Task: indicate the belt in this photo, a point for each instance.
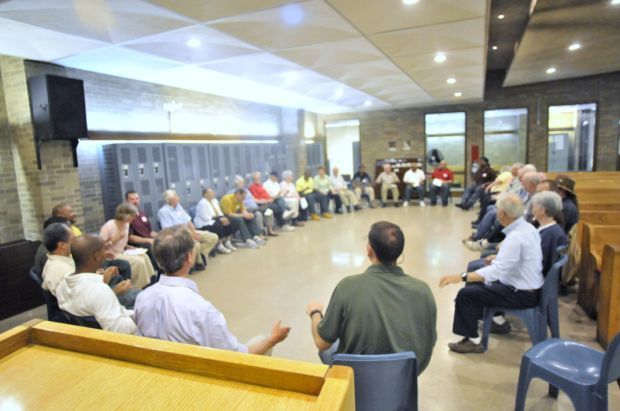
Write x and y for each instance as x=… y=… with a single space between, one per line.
x=533 y=291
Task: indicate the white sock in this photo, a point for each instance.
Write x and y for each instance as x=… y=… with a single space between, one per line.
x=499 y=319
x=476 y=340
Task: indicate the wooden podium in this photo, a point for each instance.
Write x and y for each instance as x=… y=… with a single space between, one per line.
x=47 y=365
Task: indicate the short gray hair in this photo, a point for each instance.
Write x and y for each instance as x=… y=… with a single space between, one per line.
x=533 y=177
x=239 y=179
x=168 y=194
x=550 y=201
x=528 y=168
x=287 y=174
x=510 y=204
x=171 y=247
x=256 y=173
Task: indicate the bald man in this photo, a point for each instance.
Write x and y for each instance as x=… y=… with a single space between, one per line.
x=86 y=292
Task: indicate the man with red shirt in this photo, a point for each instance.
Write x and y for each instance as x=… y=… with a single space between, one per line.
x=264 y=200
x=140 y=232
x=441 y=179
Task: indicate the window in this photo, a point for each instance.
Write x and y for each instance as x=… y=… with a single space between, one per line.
x=571 y=137
x=505 y=136
x=446 y=132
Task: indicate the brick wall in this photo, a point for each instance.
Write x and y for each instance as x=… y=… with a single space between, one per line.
x=378 y=127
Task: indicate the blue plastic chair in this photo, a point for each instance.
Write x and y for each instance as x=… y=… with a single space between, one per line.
x=53 y=311
x=581 y=372
x=383 y=382
x=535 y=318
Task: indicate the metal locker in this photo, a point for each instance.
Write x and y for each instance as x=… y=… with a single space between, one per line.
x=228 y=168
x=203 y=166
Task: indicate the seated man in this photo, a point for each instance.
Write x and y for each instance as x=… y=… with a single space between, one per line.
x=483 y=177
x=140 y=232
x=442 y=178
x=86 y=292
x=362 y=185
x=380 y=311
x=277 y=191
x=388 y=181
x=173 y=309
x=65 y=211
x=498 y=186
x=242 y=220
x=323 y=185
x=512 y=280
x=172 y=213
x=414 y=180
x=306 y=189
x=209 y=217
x=570 y=209
x=57 y=238
x=263 y=216
x=290 y=195
x=345 y=196
x=275 y=204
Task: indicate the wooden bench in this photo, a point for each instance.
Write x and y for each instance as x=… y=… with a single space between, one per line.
x=608 y=320
x=594 y=239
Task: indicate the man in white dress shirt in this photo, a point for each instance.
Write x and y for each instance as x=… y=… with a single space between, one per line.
x=512 y=280
x=87 y=293
x=209 y=217
x=174 y=310
x=346 y=196
x=414 y=181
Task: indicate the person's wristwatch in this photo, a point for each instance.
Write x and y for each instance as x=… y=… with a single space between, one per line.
x=464 y=276
x=314 y=312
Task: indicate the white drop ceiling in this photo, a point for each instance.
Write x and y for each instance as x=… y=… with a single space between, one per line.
x=325 y=56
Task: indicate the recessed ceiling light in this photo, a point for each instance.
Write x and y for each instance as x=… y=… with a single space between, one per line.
x=368 y=103
x=410 y=2
x=193 y=43
x=615 y=2
x=574 y=46
x=458 y=94
x=451 y=80
x=551 y=70
x=338 y=93
x=495 y=47
x=440 y=58
x=501 y=17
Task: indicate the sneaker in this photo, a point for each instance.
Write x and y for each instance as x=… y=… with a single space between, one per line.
x=485 y=244
x=357 y=208
x=250 y=243
x=259 y=240
x=327 y=215
x=287 y=214
x=422 y=204
x=287 y=228
x=222 y=249
x=315 y=217
x=466 y=346
x=229 y=245
x=474 y=245
x=199 y=267
x=406 y=204
x=298 y=224
x=500 y=329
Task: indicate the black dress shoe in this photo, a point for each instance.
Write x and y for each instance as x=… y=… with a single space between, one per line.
x=459 y=205
x=199 y=267
x=500 y=329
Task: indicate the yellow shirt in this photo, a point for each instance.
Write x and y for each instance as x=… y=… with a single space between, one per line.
x=231 y=205
x=502 y=182
x=76 y=231
x=304 y=186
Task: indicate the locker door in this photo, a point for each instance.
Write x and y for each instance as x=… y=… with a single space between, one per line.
x=128 y=171
x=174 y=170
x=216 y=168
x=228 y=175
x=191 y=184
x=203 y=166
x=250 y=153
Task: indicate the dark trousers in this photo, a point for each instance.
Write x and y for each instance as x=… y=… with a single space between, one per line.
x=311 y=199
x=337 y=200
x=443 y=191
x=221 y=230
x=471 y=195
x=410 y=189
x=471 y=301
x=247 y=228
x=486 y=199
x=323 y=201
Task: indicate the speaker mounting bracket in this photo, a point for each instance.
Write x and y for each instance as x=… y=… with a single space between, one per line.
x=39 y=142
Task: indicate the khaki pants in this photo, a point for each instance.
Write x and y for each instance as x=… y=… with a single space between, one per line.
x=141 y=269
x=348 y=198
x=206 y=243
x=369 y=191
x=293 y=204
x=384 y=192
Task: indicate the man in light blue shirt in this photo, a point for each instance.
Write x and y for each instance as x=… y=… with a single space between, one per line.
x=512 y=280
x=173 y=309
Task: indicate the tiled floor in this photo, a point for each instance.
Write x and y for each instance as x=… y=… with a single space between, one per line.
x=253 y=288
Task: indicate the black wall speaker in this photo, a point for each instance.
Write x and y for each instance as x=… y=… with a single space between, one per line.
x=58 y=108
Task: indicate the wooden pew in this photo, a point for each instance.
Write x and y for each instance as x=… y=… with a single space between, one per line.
x=46 y=365
x=608 y=320
x=594 y=239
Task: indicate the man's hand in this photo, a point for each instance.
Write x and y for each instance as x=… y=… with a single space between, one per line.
x=108 y=273
x=449 y=279
x=150 y=240
x=489 y=259
x=279 y=333
x=247 y=215
x=122 y=287
x=224 y=221
x=314 y=306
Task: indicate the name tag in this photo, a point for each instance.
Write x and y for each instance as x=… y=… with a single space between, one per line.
x=445 y=175
x=144 y=219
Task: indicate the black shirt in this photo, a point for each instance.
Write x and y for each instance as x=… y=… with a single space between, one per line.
x=485 y=175
x=570 y=213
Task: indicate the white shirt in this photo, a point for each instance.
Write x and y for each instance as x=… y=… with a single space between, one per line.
x=519 y=260
x=414 y=177
x=289 y=190
x=272 y=188
x=338 y=182
x=86 y=295
x=173 y=310
x=206 y=211
x=56 y=268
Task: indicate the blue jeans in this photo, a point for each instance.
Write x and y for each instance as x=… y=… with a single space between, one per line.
x=486 y=223
x=471 y=195
x=409 y=190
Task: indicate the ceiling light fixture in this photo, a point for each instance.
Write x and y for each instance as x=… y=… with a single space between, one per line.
x=440 y=57
x=290 y=76
x=410 y=2
x=193 y=43
x=615 y=2
x=338 y=93
x=495 y=47
x=451 y=80
x=458 y=94
x=574 y=46
x=501 y=17
x=368 y=103
x=551 y=70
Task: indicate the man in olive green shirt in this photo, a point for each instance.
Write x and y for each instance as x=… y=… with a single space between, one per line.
x=381 y=311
